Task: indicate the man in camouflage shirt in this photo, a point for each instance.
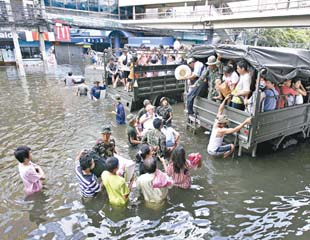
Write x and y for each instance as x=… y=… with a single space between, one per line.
x=105 y=147
x=165 y=111
x=155 y=138
x=211 y=74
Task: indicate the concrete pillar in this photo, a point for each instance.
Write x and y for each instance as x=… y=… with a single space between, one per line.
x=134 y=12
x=210 y=33
x=43 y=11
x=42 y=48
x=117 y=42
x=18 y=54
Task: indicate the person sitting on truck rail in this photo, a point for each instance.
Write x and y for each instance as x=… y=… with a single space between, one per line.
x=242 y=90
x=219 y=130
x=297 y=85
x=287 y=94
x=272 y=95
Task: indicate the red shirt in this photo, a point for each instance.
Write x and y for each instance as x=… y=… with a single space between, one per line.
x=286 y=91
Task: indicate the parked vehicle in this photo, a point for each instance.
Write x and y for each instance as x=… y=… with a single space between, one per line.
x=278 y=64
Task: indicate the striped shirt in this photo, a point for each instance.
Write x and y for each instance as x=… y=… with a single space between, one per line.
x=88 y=183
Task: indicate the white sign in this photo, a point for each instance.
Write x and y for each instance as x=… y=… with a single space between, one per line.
x=6 y=35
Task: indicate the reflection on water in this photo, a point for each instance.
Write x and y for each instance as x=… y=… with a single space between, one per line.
x=263 y=198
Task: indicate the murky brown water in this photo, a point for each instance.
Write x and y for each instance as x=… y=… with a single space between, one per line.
x=263 y=198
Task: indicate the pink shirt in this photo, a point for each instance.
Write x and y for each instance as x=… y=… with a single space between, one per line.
x=181 y=180
x=30 y=177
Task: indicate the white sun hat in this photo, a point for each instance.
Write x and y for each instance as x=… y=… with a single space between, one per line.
x=182 y=71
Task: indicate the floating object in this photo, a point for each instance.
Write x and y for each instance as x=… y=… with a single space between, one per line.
x=128 y=165
x=182 y=72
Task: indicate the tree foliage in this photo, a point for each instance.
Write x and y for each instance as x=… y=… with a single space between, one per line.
x=281 y=37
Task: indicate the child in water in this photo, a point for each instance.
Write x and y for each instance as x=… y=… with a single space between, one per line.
x=178 y=168
x=115 y=185
x=31 y=173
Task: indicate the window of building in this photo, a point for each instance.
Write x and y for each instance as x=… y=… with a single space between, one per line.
x=30 y=52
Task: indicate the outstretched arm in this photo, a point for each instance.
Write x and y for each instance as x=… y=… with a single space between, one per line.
x=224 y=131
x=222 y=106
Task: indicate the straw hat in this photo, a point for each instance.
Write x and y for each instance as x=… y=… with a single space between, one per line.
x=130 y=117
x=222 y=119
x=117 y=97
x=182 y=71
x=212 y=61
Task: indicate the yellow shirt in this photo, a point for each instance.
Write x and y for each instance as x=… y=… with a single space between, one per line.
x=131 y=74
x=116 y=188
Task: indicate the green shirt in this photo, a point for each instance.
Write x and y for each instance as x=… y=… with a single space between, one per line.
x=116 y=188
x=155 y=137
x=132 y=133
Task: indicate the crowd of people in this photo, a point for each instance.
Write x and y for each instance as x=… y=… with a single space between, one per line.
x=161 y=162
x=120 y=69
x=151 y=131
x=219 y=78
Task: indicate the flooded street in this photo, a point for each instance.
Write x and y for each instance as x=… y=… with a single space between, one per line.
x=267 y=197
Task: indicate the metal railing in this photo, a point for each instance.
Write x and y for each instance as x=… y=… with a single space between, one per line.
x=81 y=13
x=227 y=10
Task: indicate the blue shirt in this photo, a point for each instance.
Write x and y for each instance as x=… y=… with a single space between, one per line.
x=271 y=98
x=120 y=114
x=95 y=91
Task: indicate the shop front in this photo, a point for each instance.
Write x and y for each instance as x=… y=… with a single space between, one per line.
x=6 y=49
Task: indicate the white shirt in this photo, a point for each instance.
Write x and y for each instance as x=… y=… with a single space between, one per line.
x=244 y=83
x=176 y=45
x=231 y=80
x=198 y=68
x=122 y=59
x=214 y=142
x=154 y=195
x=299 y=99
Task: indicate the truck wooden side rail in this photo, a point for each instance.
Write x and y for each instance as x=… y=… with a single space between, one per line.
x=277 y=65
x=266 y=126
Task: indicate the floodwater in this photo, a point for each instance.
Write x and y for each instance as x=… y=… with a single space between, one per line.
x=267 y=197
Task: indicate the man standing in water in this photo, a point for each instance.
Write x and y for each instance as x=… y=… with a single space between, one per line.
x=119 y=110
x=105 y=147
x=95 y=91
x=82 y=89
x=219 y=130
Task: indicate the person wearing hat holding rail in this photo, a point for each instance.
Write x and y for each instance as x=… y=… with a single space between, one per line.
x=219 y=130
x=105 y=147
x=198 y=69
x=119 y=110
x=95 y=91
x=133 y=136
x=165 y=111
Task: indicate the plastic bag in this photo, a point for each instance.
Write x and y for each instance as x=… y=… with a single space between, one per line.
x=194 y=158
x=161 y=180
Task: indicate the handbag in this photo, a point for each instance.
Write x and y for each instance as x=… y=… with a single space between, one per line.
x=224 y=89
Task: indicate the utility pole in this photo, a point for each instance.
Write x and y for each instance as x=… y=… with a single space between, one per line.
x=18 y=53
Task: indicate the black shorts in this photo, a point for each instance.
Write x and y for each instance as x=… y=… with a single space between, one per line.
x=129 y=80
x=126 y=74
